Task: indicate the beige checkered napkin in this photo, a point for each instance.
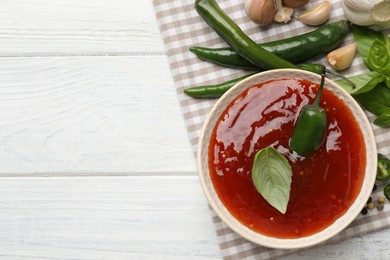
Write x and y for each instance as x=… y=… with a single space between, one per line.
x=181 y=27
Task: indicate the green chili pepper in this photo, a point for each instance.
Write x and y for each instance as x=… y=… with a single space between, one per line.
x=241 y=43
x=215 y=17
x=214 y=91
x=295 y=49
x=310 y=128
x=383 y=170
x=386 y=191
x=217 y=90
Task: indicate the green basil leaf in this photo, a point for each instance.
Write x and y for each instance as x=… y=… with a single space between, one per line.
x=383 y=119
x=377 y=101
x=364 y=38
x=386 y=40
x=272 y=176
x=387 y=81
x=379 y=57
x=364 y=82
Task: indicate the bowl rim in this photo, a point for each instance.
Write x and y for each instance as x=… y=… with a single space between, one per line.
x=292 y=243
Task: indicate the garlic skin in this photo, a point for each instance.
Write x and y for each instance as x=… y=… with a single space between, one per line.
x=317 y=15
x=368 y=12
x=295 y=3
x=341 y=58
x=283 y=14
x=261 y=12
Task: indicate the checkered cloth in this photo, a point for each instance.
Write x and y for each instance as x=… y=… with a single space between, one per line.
x=181 y=27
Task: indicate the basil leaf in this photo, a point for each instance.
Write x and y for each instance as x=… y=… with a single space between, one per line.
x=379 y=57
x=383 y=119
x=377 y=101
x=387 y=81
x=386 y=40
x=364 y=38
x=364 y=82
x=271 y=175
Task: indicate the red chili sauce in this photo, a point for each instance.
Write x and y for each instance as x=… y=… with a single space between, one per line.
x=324 y=184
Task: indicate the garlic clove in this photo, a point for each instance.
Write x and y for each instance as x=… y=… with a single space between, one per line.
x=283 y=14
x=316 y=15
x=342 y=57
x=261 y=12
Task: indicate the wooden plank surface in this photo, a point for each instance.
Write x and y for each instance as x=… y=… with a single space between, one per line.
x=90 y=115
x=105 y=218
x=72 y=27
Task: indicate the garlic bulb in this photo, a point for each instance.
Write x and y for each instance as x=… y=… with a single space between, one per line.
x=260 y=11
x=368 y=12
x=341 y=58
x=316 y=15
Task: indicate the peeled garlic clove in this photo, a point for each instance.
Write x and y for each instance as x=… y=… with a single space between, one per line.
x=342 y=57
x=283 y=14
x=316 y=15
x=260 y=11
x=295 y=3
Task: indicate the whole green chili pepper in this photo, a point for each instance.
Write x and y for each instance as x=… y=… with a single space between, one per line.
x=309 y=130
x=295 y=49
x=214 y=91
x=215 y=17
x=217 y=90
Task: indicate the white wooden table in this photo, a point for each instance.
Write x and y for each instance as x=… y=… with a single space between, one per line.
x=95 y=160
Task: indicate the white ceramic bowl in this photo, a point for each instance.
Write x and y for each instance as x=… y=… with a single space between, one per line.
x=339 y=224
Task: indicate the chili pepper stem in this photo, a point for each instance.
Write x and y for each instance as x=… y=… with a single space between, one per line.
x=318 y=96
